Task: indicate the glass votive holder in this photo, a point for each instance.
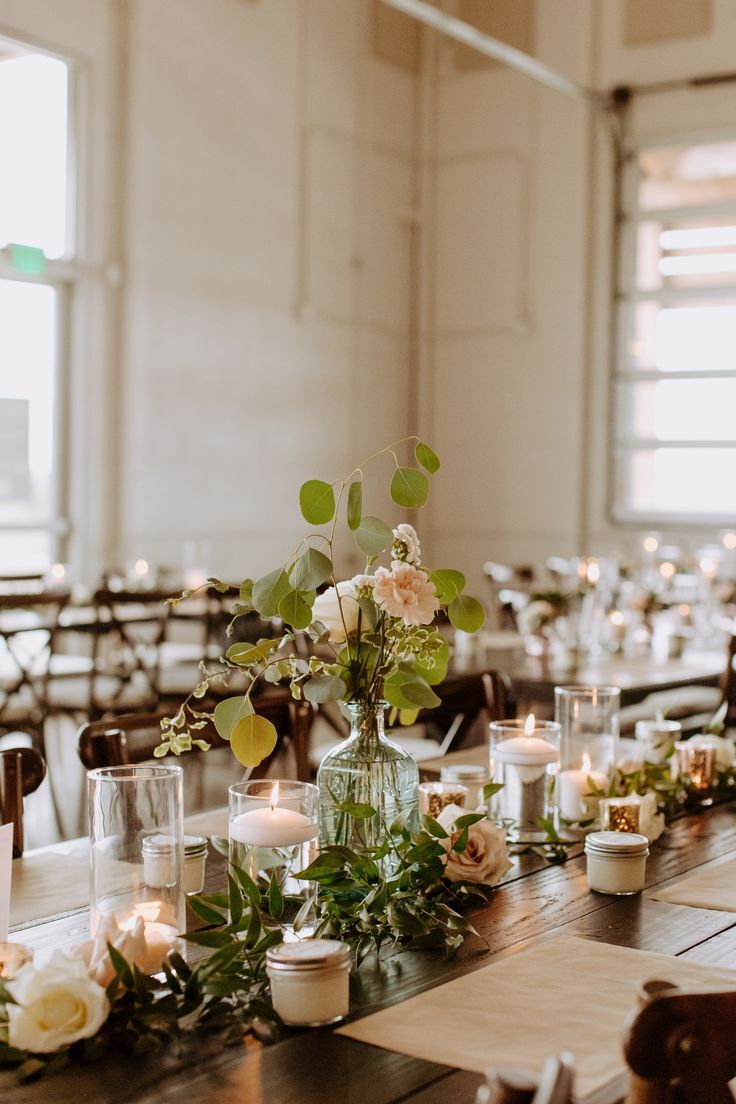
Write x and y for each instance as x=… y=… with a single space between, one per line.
x=436 y=796
x=472 y=777
x=695 y=765
x=12 y=957
x=310 y=981
x=620 y=814
x=273 y=830
x=588 y=718
x=524 y=756
x=127 y=806
x=657 y=738
x=157 y=864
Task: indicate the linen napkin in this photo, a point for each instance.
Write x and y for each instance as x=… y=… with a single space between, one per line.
x=710 y=887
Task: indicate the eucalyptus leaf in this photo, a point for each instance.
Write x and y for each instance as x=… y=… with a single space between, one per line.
x=253 y=739
x=427 y=457
x=409 y=488
x=448 y=583
x=294 y=610
x=311 y=570
x=355 y=504
x=317 y=501
x=246 y=592
x=466 y=613
x=268 y=592
x=373 y=536
x=227 y=713
x=324 y=688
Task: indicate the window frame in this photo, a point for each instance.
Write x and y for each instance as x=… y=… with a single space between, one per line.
x=63 y=276
x=626 y=299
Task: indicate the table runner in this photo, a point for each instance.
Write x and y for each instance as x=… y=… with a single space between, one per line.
x=566 y=993
x=713 y=887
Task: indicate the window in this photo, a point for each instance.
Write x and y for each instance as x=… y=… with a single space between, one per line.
x=675 y=378
x=37 y=274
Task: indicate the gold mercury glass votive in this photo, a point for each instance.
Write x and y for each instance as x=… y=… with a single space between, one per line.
x=620 y=814
x=696 y=763
x=435 y=796
x=12 y=957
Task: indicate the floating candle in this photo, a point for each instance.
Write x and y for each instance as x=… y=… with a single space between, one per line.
x=272 y=826
x=530 y=754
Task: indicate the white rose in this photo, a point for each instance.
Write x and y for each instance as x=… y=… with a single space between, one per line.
x=327 y=610
x=58 y=1003
x=651 y=823
x=724 y=746
x=485 y=860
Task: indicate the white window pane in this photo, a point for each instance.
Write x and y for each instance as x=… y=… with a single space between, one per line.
x=679 y=176
x=697 y=482
x=27 y=395
x=686 y=338
x=25 y=550
x=682 y=410
x=33 y=141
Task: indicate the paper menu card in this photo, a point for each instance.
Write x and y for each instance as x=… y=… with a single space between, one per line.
x=6 y=876
x=565 y=993
x=710 y=887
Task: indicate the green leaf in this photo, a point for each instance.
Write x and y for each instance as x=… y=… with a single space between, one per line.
x=246 y=591
x=434 y=828
x=427 y=457
x=201 y=909
x=294 y=610
x=447 y=583
x=435 y=674
x=370 y=612
x=317 y=501
x=406 y=690
x=253 y=739
x=324 y=688
x=358 y=810
x=372 y=536
x=355 y=504
x=311 y=569
x=329 y=862
x=466 y=613
x=228 y=712
x=409 y=488
x=275 y=898
x=235 y=900
x=490 y=789
x=245 y=655
x=268 y=592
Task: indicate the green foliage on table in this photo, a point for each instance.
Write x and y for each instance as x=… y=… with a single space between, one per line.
x=385 y=656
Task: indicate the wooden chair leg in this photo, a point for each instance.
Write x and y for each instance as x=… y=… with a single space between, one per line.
x=11 y=796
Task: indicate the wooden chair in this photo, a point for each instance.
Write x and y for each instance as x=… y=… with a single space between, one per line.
x=519 y=1087
x=29 y=629
x=728 y=686
x=680 y=1047
x=22 y=770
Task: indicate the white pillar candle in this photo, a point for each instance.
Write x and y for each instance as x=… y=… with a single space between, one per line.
x=574 y=791
x=272 y=827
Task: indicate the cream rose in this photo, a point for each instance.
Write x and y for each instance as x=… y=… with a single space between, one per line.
x=327 y=610
x=406 y=592
x=406 y=544
x=651 y=822
x=485 y=860
x=58 y=1003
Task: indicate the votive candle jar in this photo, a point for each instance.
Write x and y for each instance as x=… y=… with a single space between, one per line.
x=470 y=775
x=620 y=814
x=273 y=830
x=310 y=981
x=157 y=861
x=524 y=762
x=127 y=806
x=436 y=796
x=695 y=765
x=616 y=862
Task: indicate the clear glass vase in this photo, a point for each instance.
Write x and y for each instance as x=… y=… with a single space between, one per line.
x=366 y=769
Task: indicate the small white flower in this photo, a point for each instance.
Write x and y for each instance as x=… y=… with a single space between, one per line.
x=363 y=582
x=58 y=1003
x=406 y=544
x=485 y=859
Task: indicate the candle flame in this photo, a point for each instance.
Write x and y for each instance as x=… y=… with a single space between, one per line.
x=141 y=567
x=586 y=763
x=594 y=572
x=617 y=618
x=529 y=725
x=58 y=571
x=274 y=796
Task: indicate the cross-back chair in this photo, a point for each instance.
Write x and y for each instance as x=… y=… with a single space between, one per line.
x=555 y=1086
x=29 y=628
x=22 y=770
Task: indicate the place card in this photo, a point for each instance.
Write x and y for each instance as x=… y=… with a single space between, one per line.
x=6 y=876
x=564 y=994
x=711 y=887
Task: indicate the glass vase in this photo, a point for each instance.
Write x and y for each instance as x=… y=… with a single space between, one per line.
x=366 y=769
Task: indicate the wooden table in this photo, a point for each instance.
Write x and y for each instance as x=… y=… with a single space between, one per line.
x=319 y=1067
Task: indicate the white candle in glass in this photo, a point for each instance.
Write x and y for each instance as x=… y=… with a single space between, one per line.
x=530 y=754
x=273 y=826
x=574 y=791
x=159 y=938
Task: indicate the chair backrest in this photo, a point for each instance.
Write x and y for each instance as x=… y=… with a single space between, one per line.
x=29 y=627
x=22 y=770
x=728 y=685
x=679 y=1047
x=463 y=701
x=519 y=1087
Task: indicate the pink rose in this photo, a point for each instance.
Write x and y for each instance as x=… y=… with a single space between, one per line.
x=485 y=859
x=406 y=592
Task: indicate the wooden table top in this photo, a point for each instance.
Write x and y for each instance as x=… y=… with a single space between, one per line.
x=315 y=1067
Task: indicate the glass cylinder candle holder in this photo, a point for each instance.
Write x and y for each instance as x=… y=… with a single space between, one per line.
x=436 y=796
x=274 y=829
x=620 y=814
x=142 y=914
x=588 y=719
x=658 y=738
x=695 y=765
x=524 y=756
